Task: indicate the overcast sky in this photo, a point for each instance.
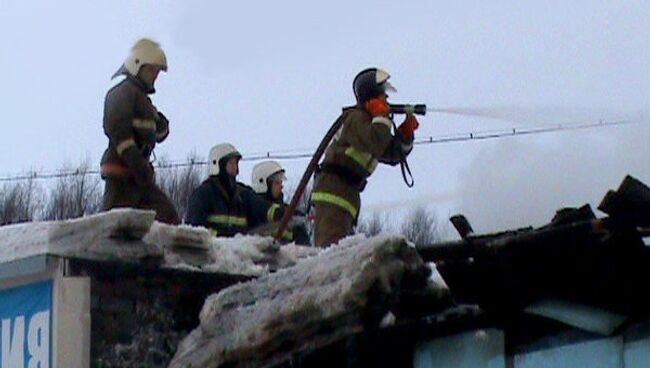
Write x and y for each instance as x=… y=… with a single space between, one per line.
x=274 y=75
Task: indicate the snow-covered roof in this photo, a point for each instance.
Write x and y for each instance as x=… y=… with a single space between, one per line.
x=129 y=235
x=98 y=237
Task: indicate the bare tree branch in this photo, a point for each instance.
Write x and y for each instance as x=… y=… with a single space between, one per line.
x=74 y=196
x=421 y=227
x=377 y=223
x=20 y=202
x=179 y=182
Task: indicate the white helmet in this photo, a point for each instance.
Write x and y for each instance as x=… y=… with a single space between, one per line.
x=261 y=173
x=144 y=52
x=217 y=153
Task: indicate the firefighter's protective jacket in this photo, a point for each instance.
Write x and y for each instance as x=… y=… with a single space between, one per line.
x=133 y=126
x=228 y=212
x=353 y=155
x=295 y=233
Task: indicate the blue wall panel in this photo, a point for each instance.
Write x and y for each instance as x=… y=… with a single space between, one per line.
x=482 y=348
x=636 y=354
x=605 y=353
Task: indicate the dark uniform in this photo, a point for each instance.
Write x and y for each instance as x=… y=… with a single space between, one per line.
x=227 y=208
x=296 y=233
x=362 y=142
x=133 y=126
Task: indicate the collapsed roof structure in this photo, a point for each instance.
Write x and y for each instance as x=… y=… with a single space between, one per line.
x=163 y=295
x=576 y=279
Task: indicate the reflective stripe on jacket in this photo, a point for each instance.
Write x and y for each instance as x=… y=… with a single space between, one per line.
x=211 y=206
x=361 y=143
x=335 y=200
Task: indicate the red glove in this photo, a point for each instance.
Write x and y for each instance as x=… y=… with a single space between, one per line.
x=409 y=126
x=377 y=107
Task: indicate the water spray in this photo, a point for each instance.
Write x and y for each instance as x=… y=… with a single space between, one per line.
x=539 y=115
x=422 y=109
x=489 y=113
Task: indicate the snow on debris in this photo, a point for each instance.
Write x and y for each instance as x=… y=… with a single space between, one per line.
x=251 y=255
x=130 y=234
x=23 y=240
x=178 y=236
x=319 y=300
x=299 y=252
x=90 y=237
x=185 y=247
x=436 y=278
x=194 y=249
x=240 y=254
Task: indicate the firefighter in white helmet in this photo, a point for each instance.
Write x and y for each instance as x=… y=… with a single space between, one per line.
x=267 y=180
x=133 y=126
x=223 y=205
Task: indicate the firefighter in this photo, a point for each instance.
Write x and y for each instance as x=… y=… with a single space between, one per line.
x=364 y=140
x=223 y=205
x=134 y=126
x=267 y=180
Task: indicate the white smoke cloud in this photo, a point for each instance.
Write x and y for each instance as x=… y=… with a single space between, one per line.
x=519 y=182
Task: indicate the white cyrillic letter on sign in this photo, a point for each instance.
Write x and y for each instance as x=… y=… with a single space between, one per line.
x=38 y=340
x=13 y=344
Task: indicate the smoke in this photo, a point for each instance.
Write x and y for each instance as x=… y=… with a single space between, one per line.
x=411 y=202
x=519 y=181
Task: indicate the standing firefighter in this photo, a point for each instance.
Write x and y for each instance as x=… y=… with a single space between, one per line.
x=134 y=126
x=223 y=205
x=364 y=139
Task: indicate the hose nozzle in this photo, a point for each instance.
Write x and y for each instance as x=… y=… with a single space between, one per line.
x=419 y=109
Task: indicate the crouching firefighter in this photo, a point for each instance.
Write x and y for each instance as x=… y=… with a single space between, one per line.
x=364 y=139
x=267 y=180
x=134 y=126
x=223 y=205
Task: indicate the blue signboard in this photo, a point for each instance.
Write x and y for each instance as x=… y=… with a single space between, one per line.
x=26 y=312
